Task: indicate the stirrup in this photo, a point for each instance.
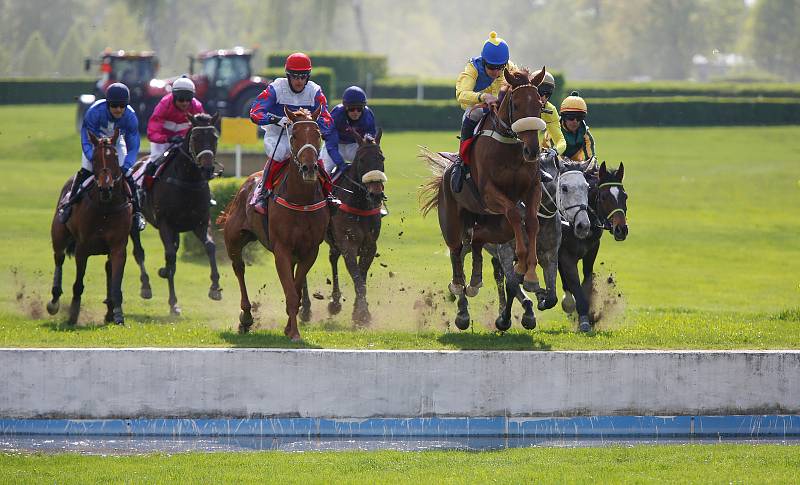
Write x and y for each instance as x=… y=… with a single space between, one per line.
x=138 y=221
x=64 y=212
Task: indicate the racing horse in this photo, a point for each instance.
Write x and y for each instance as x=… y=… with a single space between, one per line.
x=608 y=206
x=356 y=226
x=100 y=223
x=178 y=201
x=298 y=220
x=504 y=168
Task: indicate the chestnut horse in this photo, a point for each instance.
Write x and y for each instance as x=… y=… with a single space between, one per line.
x=179 y=202
x=298 y=220
x=505 y=169
x=355 y=228
x=100 y=223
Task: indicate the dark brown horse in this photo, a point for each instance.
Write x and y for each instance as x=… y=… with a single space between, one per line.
x=298 y=219
x=100 y=223
x=355 y=228
x=505 y=170
x=179 y=202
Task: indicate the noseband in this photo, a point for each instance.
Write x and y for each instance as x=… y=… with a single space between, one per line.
x=607 y=220
x=196 y=156
x=307 y=146
x=559 y=203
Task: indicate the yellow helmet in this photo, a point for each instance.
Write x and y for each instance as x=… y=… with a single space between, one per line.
x=573 y=103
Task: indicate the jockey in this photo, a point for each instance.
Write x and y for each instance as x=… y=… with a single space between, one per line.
x=353 y=115
x=550 y=116
x=170 y=120
x=294 y=91
x=101 y=119
x=479 y=84
x=579 y=141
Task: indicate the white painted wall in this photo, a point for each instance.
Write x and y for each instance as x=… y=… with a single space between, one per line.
x=109 y=383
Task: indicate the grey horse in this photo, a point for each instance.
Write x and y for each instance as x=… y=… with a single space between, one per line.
x=564 y=202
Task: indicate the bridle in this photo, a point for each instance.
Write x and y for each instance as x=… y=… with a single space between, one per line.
x=512 y=128
x=307 y=146
x=606 y=221
x=103 y=145
x=559 y=204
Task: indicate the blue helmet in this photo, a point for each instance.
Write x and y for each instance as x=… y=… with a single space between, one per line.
x=354 y=96
x=495 y=50
x=118 y=93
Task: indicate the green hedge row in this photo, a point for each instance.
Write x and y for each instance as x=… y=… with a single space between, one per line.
x=324 y=76
x=350 y=67
x=675 y=88
x=393 y=114
x=43 y=91
x=406 y=88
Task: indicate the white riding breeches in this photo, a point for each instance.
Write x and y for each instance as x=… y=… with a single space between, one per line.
x=271 y=135
x=346 y=150
x=156 y=150
x=122 y=152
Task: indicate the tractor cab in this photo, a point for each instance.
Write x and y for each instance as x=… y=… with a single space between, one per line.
x=224 y=81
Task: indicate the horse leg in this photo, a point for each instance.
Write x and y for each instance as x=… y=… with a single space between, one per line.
x=235 y=241
x=568 y=302
x=203 y=233
x=452 y=227
x=457 y=262
x=300 y=283
x=476 y=279
x=335 y=305
x=291 y=291
x=360 y=310
x=305 y=303
x=499 y=280
x=571 y=279
x=81 y=259
x=117 y=268
x=58 y=256
x=366 y=254
x=515 y=291
x=138 y=253
x=531 y=280
x=588 y=276
x=171 y=240
x=109 y=317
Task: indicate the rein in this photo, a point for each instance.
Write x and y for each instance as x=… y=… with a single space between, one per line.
x=563 y=210
x=295 y=158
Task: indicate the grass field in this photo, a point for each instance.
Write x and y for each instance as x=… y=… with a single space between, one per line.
x=712 y=260
x=643 y=464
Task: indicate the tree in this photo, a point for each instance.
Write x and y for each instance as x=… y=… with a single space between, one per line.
x=71 y=53
x=774 y=37
x=36 y=57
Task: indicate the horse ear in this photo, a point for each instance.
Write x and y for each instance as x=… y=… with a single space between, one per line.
x=92 y=138
x=288 y=113
x=191 y=119
x=378 y=136
x=621 y=171
x=358 y=137
x=537 y=79
x=316 y=113
x=215 y=119
x=603 y=171
x=508 y=77
x=116 y=135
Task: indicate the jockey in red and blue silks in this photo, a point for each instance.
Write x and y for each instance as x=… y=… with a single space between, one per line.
x=294 y=91
x=101 y=119
x=353 y=115
x=170 y=120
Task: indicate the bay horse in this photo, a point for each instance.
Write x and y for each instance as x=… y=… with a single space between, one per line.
x=100 y=223
x=298 y=220
x=608 y=208
x=356 y=226
x=178 y=201
x=504 y=168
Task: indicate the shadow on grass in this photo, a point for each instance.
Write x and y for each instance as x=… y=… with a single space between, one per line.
x=272 y=339
x=493 y=341
x=61 y=325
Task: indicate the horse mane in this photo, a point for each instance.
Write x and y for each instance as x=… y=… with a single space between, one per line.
x=521 y=76
x=205 y=118
x=302 y=112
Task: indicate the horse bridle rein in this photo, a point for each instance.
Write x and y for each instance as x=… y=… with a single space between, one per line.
x=563 y=210
x=307 y=146
x=606 y=221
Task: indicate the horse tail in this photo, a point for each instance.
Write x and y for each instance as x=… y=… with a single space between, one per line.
x=70 y=249
x=429 y=192
x=234 y=204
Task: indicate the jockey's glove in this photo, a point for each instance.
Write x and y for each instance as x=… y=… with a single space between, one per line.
x=176 y=139
x=283 y=122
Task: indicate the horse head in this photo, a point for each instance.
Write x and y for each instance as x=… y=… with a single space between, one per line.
x=572 y=198
x=368 y=166
x=304 y=141
x=521 y=110
x=105 y=164
x=202 y=142
x=612 y=201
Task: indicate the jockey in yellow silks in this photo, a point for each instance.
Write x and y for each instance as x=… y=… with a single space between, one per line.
x=550 y=116
x=579 y=141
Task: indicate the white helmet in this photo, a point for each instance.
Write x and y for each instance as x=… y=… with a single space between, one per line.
x=183 y=84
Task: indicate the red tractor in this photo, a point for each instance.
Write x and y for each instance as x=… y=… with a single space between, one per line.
x=225 y=83
x=136 y=70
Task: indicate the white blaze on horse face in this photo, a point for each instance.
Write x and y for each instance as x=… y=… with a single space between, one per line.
x=615 y=192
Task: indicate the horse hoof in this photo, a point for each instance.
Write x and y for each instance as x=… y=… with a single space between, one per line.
x=547 y=302
x=361 y=317
x=245 y=318
x=215 y=294
x=109 y=317
x=334 y=307
x=584 y=325
x=175 y=310
x=462 y=321
x=305 y=315
x=52 y=307
x=74 y=311
x=502 y=324
x=472 y=291
x=456 y=289
x=568 y=303
x=528 y=318
x=244 y=329
x=296 y=338
x=162 y=272
x=119 y=318
x=531 y=286
x=146 y=293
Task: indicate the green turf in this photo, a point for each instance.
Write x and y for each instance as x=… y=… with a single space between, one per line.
x=712 y=260
x=717 y=463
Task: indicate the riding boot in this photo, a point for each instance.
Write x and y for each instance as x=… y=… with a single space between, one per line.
x=74 y=193
x=459 y=169
x=327 y=188
x=138 y=219
x=263 y=192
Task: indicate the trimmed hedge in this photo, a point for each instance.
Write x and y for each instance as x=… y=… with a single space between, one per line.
x=324 y=76
x=350 y=67
x=675 y=88
x=393 y=114
x=441 y=88
x=43 y=91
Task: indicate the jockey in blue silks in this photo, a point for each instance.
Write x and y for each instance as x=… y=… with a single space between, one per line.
x=353 y=115
x=101 y=119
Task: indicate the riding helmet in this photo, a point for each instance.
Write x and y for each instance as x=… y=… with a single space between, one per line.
x=495 y=50
x=573 y=104
x=354 y=96
x=118 y=93
x=183 y=84
x=298 y=63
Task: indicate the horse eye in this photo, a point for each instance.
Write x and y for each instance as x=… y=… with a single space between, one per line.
x=564 y=189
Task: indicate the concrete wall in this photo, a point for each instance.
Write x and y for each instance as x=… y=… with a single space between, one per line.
x=193 y=383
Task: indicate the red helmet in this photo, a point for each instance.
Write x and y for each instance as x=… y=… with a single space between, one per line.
x=298 y=62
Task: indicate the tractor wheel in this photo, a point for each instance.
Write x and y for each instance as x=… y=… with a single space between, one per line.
x=244 y=102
